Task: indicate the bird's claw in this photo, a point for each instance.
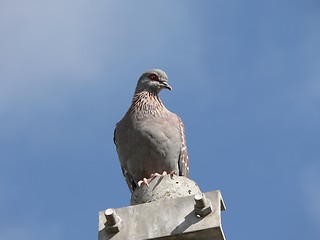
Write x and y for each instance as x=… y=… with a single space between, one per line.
x=154 y=175
x=144 y=180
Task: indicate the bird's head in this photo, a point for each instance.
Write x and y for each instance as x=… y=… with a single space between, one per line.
x=153 y=81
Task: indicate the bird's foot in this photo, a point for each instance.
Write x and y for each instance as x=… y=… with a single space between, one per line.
x=143 y=181
x=172 y=173
x=146 y=181
x=153 y=175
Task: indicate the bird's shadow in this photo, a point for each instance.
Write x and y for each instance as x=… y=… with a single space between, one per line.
x=160 y=179
x=189 y=220
x=157 y=183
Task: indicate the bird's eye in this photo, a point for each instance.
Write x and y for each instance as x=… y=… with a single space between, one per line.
x=153 y=77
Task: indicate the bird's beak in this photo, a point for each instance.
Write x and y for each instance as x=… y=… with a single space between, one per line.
x=166 y=85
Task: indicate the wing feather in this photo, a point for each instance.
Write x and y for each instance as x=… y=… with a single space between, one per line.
x=183 y=161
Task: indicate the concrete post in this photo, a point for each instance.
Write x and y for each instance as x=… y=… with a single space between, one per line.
x=164 y=210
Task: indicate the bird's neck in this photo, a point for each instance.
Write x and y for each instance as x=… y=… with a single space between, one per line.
x=146 y=103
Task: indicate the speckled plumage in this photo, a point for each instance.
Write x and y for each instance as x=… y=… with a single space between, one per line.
x=149 y=138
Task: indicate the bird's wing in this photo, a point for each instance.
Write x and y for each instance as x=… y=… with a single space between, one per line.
x=183 y=160
x=114 y=138
x=128 y=177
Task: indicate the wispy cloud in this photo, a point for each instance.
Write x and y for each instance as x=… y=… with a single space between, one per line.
x=47 y=44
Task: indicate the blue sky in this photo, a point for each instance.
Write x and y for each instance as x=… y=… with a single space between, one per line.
x=246 y=82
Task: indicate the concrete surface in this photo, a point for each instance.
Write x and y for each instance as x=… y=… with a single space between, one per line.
x=164 y=187
x=173 y=219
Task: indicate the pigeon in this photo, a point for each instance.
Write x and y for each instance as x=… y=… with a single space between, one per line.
x=149 y=138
